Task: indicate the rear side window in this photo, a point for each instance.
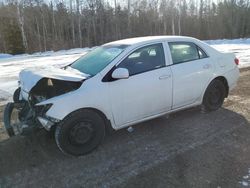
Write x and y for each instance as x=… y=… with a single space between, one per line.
x=185 y=51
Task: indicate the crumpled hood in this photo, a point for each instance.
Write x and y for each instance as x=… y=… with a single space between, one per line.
x=29 y=77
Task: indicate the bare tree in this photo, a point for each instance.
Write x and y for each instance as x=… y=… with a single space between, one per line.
x=38 y=34
x=20 y=16
x=72 y=23
x=54 y=30
x=116 y=24
x=173 y=10
x=179 y=17
x=129 y=9
x=44 y=32
x=32 y=25
x=79 y=22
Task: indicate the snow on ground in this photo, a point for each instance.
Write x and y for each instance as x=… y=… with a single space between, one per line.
x=5 y=55
x=246 y=179
x=241 y=48
x=11 y=65
x=242 y=51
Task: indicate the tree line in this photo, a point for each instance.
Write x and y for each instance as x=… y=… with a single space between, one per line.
x=37 y=25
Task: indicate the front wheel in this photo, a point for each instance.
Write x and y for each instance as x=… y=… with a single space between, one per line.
x=80 y=132
x=214 y=95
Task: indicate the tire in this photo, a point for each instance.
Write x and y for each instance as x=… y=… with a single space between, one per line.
x=214 y=95
x=80 y=132
x=16 y=95
x=6 y=118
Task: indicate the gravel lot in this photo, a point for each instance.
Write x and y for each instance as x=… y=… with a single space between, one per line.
x=188 y=149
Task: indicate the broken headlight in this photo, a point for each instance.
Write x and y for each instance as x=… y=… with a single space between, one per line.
x=42 y=109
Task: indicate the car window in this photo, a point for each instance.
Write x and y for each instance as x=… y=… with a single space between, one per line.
x=144 y=59
x=97 y=59
x=185 y=51
x=202 y=54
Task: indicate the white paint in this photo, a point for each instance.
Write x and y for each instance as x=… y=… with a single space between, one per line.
x=145 y=96
x=29 y=77
x=135 y=99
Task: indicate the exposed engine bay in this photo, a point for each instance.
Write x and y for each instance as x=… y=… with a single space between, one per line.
x=23 y=115
x=47 y=88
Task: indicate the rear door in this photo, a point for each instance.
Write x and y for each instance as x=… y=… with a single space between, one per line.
x=192 y=70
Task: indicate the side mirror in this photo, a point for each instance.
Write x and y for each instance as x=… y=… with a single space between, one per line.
x=120 y=73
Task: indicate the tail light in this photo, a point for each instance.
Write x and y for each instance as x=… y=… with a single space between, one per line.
x=236 y=61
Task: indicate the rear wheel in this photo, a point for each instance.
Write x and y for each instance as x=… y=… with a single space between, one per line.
x=80 y=132
x=214 y=95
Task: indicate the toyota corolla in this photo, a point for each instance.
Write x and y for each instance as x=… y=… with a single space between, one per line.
x=120 y=84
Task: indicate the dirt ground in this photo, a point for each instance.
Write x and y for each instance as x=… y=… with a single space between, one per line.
x=188 y=149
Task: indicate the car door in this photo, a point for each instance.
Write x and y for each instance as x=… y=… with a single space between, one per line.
x=191 y=70
x=147 y=91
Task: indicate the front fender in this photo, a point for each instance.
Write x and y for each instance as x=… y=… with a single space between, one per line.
x=82 y=98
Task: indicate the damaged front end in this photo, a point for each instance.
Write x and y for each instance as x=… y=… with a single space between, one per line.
x=23 y=114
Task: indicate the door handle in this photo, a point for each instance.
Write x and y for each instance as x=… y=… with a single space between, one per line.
x=164 y=77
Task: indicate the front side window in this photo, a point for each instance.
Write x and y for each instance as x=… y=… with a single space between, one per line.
x=97 y=59
x=144 y=59
x=185 y=51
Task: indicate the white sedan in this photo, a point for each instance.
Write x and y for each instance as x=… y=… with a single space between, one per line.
x=120 y=84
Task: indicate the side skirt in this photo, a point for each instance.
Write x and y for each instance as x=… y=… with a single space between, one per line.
x=158 y=115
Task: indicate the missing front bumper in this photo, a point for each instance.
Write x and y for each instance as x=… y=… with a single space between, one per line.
x=47 y=124
x=18 y=119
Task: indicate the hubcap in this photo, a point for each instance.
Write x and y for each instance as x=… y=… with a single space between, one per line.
x=81 y=133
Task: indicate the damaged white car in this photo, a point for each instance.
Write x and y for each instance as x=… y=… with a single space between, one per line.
x=118 y=85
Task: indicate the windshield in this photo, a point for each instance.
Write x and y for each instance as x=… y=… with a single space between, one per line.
x=97 y=59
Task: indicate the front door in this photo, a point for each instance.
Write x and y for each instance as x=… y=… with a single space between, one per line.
x=147 y=91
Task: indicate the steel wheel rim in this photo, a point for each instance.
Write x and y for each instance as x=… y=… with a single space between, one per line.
x=81 y=133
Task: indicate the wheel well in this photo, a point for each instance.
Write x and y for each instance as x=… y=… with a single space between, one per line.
x=224 y=81
x=108 y=126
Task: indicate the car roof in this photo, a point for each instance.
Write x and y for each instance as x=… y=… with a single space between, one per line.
x=136 y=40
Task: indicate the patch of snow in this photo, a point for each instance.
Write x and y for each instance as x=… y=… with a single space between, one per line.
x=130 y=129
x=241 y=48
x=246 y=179
x=242 y=52
x=5 y=55
x=11 y=66
x=244 y=183
x=4 y=96
x=229 y=41
x=47 y=53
